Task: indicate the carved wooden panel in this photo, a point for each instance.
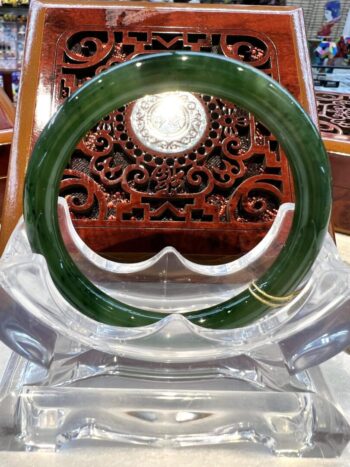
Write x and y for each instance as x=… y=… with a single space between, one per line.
x=334 y=119
x=233 y=175
x=217 y=196
x=333 y=113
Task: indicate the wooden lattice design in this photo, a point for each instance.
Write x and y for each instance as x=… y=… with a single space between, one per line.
x=233 y=177
x=333 y=113
x=216 y=196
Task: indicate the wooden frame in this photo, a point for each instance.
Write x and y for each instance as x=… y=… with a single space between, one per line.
x=40 y=96
x=7 y=119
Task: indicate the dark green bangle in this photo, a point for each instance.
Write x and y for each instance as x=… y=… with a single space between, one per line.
x=193 y=72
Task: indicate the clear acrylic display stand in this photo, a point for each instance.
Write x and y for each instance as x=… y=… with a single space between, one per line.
x=172 y=383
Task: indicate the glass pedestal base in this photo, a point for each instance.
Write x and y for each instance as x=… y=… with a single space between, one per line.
x=171 y=384
x=238 y=401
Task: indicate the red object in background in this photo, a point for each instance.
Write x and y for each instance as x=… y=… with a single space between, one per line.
x=326 y=30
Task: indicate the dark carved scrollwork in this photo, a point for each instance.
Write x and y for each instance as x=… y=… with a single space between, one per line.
x=333 y=113
x=234 y=173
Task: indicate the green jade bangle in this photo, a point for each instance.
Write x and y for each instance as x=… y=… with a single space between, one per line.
x=192 y=72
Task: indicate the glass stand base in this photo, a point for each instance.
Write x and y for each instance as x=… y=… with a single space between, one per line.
x=290 y=424
x=288 y=417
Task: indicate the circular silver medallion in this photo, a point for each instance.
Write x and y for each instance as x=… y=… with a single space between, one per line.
x=170 y=122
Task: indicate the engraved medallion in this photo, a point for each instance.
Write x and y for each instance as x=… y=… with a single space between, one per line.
x=170 y=122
